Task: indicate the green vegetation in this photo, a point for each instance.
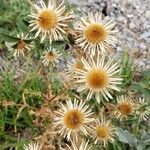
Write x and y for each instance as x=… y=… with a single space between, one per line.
x=24 y=98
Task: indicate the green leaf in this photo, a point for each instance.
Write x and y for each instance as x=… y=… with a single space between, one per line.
x=146 y=93
x=125 y=137
x=127 y=69
x=10 y=44
x=146 y=74
x=21 y=25
x=136 y=87
x=8 y=38
x=144 y=142
x=26 y=22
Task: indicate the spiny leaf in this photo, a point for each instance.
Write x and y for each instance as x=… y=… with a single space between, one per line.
x=125 y=137
x=8 y=38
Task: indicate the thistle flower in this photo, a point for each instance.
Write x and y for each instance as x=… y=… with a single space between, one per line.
x=32 y=146
x=73 y=66
x=51 y=56
x=21 y=47
x=50 y=21
x=73 y=119
x=95 y=33
x=104 y=132
x=82 y=146
x=70 y=73
x=98 y=77
x=143 y=109
x=124 y=107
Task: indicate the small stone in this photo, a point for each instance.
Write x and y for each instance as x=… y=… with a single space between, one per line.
x=121 y=18
x=132 y=25
x=143 y=46
x=129 y=15
x=147 y=14
x=130 y=1
x=145 y=35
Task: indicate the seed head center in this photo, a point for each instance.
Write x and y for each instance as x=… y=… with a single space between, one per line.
x=51 y=56
x=102 y=132
x=97 y=79
x=73 y=119
x=125 y=108
x=95 y=33
x=47 y=19
x=21 y=45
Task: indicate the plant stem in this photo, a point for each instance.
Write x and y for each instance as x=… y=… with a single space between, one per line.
x=137 y=126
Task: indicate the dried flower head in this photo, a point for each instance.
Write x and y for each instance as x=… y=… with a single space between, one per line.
x=73 y=119
x=50 y=21
x=99 y=77
x=143 y=109
x=21 y=46
x=95 y=34
x=32 y=146
x=72 y=67
x=104 y=131
x=51 y=56
x=124 y=107
x=82 y=146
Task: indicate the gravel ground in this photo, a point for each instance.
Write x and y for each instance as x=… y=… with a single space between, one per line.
x=133 y=22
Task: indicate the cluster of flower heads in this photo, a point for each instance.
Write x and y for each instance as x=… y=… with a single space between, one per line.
x=96 y=73
x=94 y=34
x=76 y=120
